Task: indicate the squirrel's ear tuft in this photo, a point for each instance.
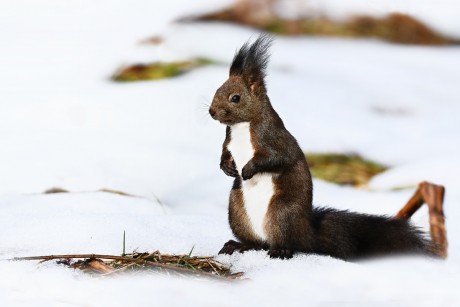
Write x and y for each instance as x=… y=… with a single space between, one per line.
x=250 y=62
x=237 y=67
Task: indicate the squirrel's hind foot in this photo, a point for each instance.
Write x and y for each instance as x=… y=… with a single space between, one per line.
x=281 y=253
x=233 y=246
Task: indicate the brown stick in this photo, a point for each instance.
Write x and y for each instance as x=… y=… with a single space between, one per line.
x=138 y=261
x=412 y=206
x=90 y=256
x=433 y=196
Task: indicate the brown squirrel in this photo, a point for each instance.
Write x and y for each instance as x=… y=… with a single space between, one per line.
x=271 y=198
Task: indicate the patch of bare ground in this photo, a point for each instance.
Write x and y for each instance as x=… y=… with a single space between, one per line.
x=395 y=27
x=157 y=70
x=343 y=169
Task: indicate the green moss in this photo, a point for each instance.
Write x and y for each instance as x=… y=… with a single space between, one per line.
x=343 y=169
x=158 y=70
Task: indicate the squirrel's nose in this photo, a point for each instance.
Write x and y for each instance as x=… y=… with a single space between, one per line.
x=212 y=112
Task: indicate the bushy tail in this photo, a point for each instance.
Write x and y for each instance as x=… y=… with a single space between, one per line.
x=348 y=235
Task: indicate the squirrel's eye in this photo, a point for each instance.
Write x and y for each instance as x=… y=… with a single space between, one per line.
x=235 y=98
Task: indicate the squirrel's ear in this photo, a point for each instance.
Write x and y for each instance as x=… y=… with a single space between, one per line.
x=250 y=62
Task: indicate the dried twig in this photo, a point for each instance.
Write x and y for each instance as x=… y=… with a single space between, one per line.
x=433 y=196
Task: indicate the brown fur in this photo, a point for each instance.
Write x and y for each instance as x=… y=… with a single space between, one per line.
x=275 y=151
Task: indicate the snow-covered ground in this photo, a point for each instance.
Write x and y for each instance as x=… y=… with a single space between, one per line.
x=64 y=124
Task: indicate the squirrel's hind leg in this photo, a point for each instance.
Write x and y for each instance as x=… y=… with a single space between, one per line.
x=233 y=246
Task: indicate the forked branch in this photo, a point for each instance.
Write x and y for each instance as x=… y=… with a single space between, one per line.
x=432 y=195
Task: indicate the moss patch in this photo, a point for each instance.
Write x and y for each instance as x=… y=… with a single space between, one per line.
x=158 y=70
x=343 y=169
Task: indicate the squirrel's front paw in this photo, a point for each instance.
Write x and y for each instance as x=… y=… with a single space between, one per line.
x=248 y=171
x=229 y=167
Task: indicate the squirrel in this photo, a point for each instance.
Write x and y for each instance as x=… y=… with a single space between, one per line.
x=270 y=205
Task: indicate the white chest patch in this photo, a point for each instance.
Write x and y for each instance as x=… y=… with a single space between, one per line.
x=257 y=191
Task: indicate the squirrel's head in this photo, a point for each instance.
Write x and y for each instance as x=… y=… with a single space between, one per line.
x=242 y=97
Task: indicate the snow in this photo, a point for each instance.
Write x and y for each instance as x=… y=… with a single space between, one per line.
x=64 y=124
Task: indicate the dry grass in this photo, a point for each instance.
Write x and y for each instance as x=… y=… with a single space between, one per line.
x=343 y=169
x=157 y=70
x=177 y=265
x=395 y=27
x=55 y=190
